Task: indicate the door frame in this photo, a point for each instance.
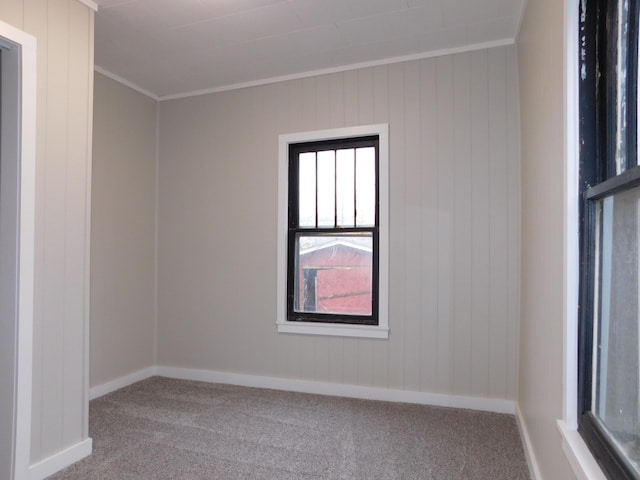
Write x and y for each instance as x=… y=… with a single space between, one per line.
x=19 y=81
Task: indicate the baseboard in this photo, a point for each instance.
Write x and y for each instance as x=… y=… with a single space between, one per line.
x=534 y=469
x=113 y=385
x=307 y=386
x=342 y=390
x=57 y=462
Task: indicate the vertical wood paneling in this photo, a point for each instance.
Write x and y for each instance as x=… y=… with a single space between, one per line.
x=309 y=102
x=513 y=220
x=55 y=274
x=336 y=360
x=498 y=224
x=450 y=314
x=63 y=29
x=336 y=99
x=365 y=96
x=268 y=133
x=462 y=201
x=252 y=171
x=412 y=228
x=261 y=177
x=480 y=261
x=321 y=359
x=76 y=203
x=323 y=107
x=444 y=225
x=428 y=218
x=12 y=13
x=397 y=222
x=242 y=174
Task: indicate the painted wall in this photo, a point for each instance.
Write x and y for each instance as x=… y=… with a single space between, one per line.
x=454 y=246
x=64 y=33
x=541 y=70
x=123 y=231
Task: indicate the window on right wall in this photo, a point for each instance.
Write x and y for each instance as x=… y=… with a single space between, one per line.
x=609 y=333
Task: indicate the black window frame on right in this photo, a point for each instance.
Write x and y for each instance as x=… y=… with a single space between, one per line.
x=609 y=171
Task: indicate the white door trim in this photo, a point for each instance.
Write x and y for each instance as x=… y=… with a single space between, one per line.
x=23 y=47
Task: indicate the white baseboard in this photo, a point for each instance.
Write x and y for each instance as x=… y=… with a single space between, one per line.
x=57 y=462
x=534 y=469
x=342 y=390
x=307 y=386
x=113 y=385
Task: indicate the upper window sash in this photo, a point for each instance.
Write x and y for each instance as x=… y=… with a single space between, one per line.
x=322 y=167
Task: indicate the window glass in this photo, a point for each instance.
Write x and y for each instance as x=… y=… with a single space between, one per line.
x=307 y=190
x=334 y=274
x=616 y=353
x=345 y=186
x=365 y=186
x=326 y=188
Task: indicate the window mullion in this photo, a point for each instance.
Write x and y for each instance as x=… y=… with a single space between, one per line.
x=335 y=188
x=316 y=163
x=355 y=183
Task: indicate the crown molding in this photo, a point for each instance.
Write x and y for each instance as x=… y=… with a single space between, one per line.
x=311 y=73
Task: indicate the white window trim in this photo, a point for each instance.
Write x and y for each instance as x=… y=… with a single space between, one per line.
x=315 y=328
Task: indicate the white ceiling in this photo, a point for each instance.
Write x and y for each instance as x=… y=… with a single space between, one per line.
x=170 y=48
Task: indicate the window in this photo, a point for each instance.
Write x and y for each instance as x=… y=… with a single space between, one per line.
x=333 y=233
x=609 y=334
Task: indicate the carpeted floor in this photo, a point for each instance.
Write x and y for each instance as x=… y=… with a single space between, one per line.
x=164 y=429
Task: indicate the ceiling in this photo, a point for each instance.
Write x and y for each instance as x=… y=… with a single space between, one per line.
x=170 y=48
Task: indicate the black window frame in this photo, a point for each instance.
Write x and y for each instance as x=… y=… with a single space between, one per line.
x=293 y=229
x=600 y=177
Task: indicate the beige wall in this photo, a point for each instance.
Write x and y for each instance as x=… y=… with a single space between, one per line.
x=123 y=231
x=454 y=186
x=541 y=70
x=64 y=33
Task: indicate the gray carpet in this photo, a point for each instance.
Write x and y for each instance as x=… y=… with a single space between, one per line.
x=174 y=429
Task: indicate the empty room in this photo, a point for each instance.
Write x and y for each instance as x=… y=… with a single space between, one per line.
x=323 y=239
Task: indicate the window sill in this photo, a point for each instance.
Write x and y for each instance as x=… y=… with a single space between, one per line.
x=335 y=330
x=582 y=462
